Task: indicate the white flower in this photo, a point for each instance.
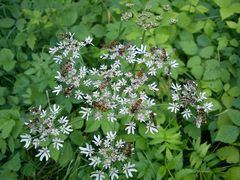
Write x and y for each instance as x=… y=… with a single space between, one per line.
x=111 y=135
x=97 y=140
x=78 y=94
x=82 y=72
x=43 y=153
x=113 y=173
x=151 y=127
x=111 y=117
x=63 y=120
x=120 y=143
x=175 y=97
x=58 y=59
x=98 y=175
x=176 y=87
x=57 y=143
x=141 y=117
x=131 y=126
x=128 y=169
x=94 y=161
x=98 y=116
x=88 y=40
x=173 y=64
x=85 y=112
x=66 y=129
x=124 y=110
x=174 y=107
x=36 y=143
x=27 y=139
x=57 y=89
x=88 y=150
x=116 y=87
x=142 y=49
x=207 y=106
x=153 y=87
x=87 y=82
x=186 y=113
x=55 y=109
x=201 y=96
x=152 y=71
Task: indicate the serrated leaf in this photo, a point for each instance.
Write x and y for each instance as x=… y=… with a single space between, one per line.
x=7 y=128
x=234 y=115
x=7 y=61
x=6 y=22
x=31 y=40
x=189 y=47
x=233 y=173
x=207 y=52
x=180 y=175
x=227 y=134
x=194 y=61
x=228 y=153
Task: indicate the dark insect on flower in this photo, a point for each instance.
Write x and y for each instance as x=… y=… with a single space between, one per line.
x=136 y=106
x=128 y=149
x=66 y=67
x=63 y=35
x=202 y=114
x=164 y=55
x=101 y=106
x=188 y=100
x=68 y=90
x=123 y=49
x=105 y=83
x=111 y=45
x=34 y=110
x=140 y=73
x=152 y=118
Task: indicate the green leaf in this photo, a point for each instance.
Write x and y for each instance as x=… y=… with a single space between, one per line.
x=109 y=126
x=203 y=40
x=227 y=134
x=233 y=173
x=197 y=71
x=189 y=47
x=11 y=144
x=180 y=175
x=29 y=169
x=194 y=61
x=7 y=60
x=223 y=3
x=6 y=128
x=228 y=153
x=31 y=40
x=54 y=153
x=20 y=39
x=192 y=131
x=234 y=115
x=183 y=20
x=226 y=12
x=92 y=125
x=6 y=22
x=70 y=16
x=77 y=122
x=66 y=154
x=234 y=91
x=77 y=137
x=98 y=30
x=207 y=52
x=14 y=164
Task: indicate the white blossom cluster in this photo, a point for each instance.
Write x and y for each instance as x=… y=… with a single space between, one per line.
x=46 y=129
x=109 y=155
x=191 y=102
x=116 y=88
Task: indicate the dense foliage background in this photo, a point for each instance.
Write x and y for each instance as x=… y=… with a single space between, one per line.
x=205 y=41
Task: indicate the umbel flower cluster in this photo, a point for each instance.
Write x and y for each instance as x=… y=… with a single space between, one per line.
x=46 y=128
x=107 y=154
x=118 y=87
x=191 y=102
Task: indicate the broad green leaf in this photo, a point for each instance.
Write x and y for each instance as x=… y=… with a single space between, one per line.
x=70 y=16
x=228 y=153
x=14 y=164
x=77 y=138
x=227 y=134
x=107 y=126
x=189 y=48
x=6 y=59
x=183 y=20
x=7 y=128
x=77 y=122
x=227 y=100
x=31 y=40
x=54 y=153
x=233 y=173
x=194 y=61
x=6 y=22
x=203 y=40
x=98 y=30
x=234 y=115
x=223 y=3
x=192 y=131
x=234 y=91
x=226 y=12
x=197 y=71
x=66 y=154
x=29 y=169
x=92 y=125
x=207 y=52
x=180 y=175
